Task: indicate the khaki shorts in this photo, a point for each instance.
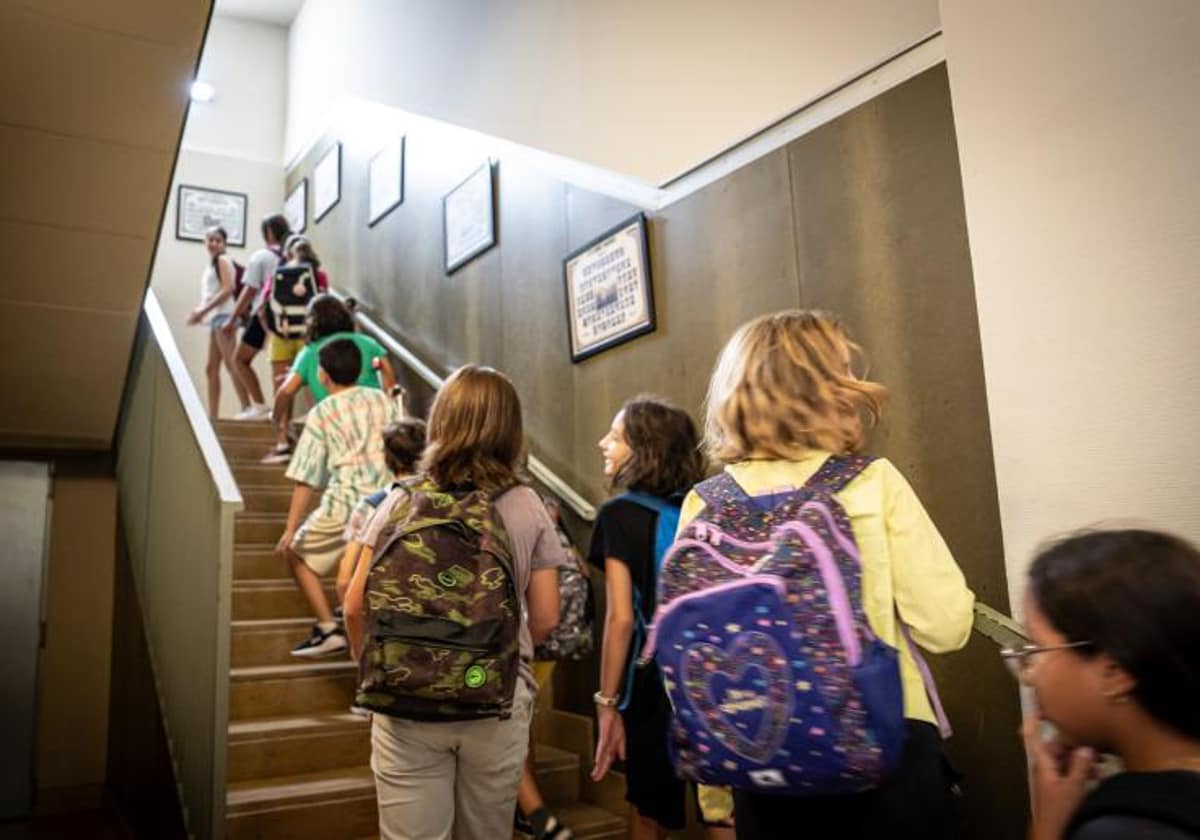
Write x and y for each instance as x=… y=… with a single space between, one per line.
x=280 y=349
x=319 y=542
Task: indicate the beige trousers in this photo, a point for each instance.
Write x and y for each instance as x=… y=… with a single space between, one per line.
x=450 y=781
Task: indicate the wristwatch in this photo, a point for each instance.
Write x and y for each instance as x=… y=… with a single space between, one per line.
x=600 y=700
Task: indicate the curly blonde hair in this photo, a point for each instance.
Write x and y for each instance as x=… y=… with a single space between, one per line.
x=784 y=385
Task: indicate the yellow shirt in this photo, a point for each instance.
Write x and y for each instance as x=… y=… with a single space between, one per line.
x=906 y=565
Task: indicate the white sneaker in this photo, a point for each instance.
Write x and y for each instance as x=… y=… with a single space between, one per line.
x=246 y=413
x=257 y=411
x=320 y=643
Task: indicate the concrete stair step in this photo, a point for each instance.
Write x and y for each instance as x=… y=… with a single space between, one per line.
x=270 y=499
x=246 y=449
x=266 y=641
x=258 y=562
x=328 y=804
x=288 y=746
x=290 y=690
x=272 y=598
x=258 y=527
x=238 y=430
x=260 y=475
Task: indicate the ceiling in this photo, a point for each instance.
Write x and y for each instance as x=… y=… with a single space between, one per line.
x=92 y=103
x=277 y=12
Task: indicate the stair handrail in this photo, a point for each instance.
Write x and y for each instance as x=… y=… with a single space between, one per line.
x=547 y=477
x=202 y=427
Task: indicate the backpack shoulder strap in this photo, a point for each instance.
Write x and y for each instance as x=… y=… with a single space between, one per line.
x=837 y=472
x=722 y=488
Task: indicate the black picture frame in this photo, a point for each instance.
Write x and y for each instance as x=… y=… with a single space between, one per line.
x=302 y=189
x=191 y=229
x=396 y=147
x=647 y=323
x=320 y=213
x=485 y=205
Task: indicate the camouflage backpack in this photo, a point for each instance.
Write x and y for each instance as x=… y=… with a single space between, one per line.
x=573 y=638
x=442 y=612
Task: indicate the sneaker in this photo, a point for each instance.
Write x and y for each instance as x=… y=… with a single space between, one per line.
x=247 y=413
x=255 y=411
x=360 y=711
x=321 y=643
x=278 y=455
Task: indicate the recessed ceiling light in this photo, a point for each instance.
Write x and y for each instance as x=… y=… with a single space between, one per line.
x=203 y=91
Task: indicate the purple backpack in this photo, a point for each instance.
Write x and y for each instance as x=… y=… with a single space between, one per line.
x=778 y=684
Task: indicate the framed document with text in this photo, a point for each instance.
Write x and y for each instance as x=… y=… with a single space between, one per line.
x=469 y=218
x=295 y=207
x=610 y=298
x=327 y=182
x=385 y=181
x=198 y=208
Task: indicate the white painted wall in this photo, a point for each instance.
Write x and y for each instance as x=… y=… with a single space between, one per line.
x=246 y=62
x=644 y=89
x=233 y=143
x=1078 y=133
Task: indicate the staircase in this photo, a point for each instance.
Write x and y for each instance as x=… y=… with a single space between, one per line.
x=297 y=758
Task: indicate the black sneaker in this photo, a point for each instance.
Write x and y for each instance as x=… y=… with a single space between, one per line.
x=321 y=643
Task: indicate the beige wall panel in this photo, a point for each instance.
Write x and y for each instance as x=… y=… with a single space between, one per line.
x=76 y=183
x=147 y=20
x=60 y=77
x=882 y=241
x=72 y=276
x=76 y=659
x=61 y=371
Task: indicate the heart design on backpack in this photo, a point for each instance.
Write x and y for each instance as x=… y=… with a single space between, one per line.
x=756 y=684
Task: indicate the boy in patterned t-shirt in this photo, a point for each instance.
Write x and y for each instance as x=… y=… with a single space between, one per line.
x=340 y=451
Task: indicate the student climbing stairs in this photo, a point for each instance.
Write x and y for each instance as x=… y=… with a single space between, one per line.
x=298 y=758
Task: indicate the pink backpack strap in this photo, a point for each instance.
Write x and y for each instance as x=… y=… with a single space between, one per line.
x=935 y=699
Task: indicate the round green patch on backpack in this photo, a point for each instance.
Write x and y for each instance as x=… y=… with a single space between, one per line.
x=475 y=677
x=446 y=579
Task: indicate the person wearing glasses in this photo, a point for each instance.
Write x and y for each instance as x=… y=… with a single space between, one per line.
x=1114 y=620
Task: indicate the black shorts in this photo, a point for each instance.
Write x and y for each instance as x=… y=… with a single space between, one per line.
x=254 y=335
x=918 y=800
x=651 y=785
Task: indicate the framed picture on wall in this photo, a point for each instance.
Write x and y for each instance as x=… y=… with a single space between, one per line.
x=610 y=297
x=469 y=218
x=199 y=208
x=295 y=207
x=327 y=182
x=385 y=181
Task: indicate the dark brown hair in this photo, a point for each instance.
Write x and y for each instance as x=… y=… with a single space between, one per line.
x=664 y=449
x=476 y=436
x=1135 y=596
x=403 y=445
x=326 y=316
x=277 y=225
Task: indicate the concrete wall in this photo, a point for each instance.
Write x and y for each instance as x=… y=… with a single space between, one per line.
x=1078 y=129
x=645 y=89
x=863 y=216
x=233 y=143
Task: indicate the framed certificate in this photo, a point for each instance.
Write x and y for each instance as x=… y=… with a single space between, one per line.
x=198 y=208
x=327 y=182
x=469 y=218
x=385 y=181
x=610 y=298
x=295 y=207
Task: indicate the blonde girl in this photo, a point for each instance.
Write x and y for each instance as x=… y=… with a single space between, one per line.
x=783 y=398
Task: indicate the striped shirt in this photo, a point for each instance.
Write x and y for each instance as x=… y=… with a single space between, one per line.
x=341 y=448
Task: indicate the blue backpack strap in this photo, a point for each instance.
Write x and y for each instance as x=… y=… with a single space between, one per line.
x=666 y=524
x=837 y=472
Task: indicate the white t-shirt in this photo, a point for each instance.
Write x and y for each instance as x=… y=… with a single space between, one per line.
x=210 y=285
x=259 y=269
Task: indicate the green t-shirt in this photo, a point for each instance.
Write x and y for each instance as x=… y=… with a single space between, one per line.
x=308 y=362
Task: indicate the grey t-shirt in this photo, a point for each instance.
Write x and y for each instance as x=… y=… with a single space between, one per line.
x=259 y=269
x=533 y=540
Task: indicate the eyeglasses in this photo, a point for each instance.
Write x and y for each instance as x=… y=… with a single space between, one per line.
x=1018 y=659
